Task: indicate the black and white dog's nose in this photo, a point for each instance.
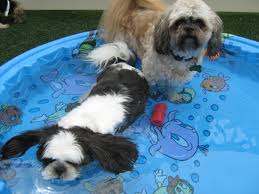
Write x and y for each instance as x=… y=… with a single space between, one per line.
x=59 y=170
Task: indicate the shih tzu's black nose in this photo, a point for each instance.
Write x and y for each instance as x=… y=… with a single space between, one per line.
x=59 y=170
x=189 y=29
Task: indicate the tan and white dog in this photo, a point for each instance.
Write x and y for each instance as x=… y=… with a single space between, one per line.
x=168 y=40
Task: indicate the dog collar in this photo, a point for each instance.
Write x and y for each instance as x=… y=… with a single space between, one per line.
x=6 y=13
x=178 y=58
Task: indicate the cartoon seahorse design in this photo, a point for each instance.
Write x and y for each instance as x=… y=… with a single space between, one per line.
x=174 y=139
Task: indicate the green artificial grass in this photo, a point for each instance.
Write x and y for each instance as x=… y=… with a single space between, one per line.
x=241 y=24
x=44 y=26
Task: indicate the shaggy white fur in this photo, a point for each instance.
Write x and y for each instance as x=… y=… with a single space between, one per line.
x=63 y=146
x=99 y=113
x=120 y=66
x=101 y=56
x=7 y=8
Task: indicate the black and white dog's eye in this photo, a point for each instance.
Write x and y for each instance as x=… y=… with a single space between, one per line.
x=47 y=161
x=72 y=163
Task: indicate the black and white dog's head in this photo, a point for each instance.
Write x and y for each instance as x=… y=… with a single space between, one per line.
x=11 y=12
x=86 y=133
x=63 y=151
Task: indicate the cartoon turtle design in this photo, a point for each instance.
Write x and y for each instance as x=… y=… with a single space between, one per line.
x=6 y=171
x=184 y=95
x=9 y=117
x=108 y=186
x=174 y=186
x=187 y=95
x=86 y=46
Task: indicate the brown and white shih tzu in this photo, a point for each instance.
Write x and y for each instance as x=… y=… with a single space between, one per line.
x=88 y=132
x=11 y=12
x=170 y=41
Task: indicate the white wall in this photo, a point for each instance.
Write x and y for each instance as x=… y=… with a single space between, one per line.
x=218 y=5
x=64 y=4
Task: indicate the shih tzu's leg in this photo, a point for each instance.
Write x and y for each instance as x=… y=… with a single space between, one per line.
x=158 y=89
x=179 y=93
x=175 y=95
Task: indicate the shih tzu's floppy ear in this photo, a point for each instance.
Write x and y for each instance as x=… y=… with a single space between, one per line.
x=162 y=36
x=214 y=45
x=115 y=154
x=19 y=144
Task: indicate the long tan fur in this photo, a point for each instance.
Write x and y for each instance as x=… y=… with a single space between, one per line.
x=149 y=30
x=19 y=14
x=119 y=11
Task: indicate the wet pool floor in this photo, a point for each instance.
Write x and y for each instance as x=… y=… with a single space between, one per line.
x=208 y=145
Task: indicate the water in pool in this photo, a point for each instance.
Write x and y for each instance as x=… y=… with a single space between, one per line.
x=208 y=145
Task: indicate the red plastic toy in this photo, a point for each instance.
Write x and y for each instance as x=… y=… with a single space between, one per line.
x=158 y=115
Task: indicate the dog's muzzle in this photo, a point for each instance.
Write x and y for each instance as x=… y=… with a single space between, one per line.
x=179 y=58
x=188 y=42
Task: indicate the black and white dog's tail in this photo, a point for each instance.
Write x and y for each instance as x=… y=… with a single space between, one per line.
x=111 y=53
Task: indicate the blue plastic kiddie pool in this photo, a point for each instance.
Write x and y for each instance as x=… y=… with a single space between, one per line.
x=209 y=144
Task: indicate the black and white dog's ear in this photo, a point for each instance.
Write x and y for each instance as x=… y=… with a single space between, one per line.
x=115 y=154
x=3 y=5
x=215 y=43
x=19 y=144
x=162 y=36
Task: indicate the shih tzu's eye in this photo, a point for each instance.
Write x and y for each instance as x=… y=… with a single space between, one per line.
x=72 y=163
x=200 y=23
x=179 y=22
x=47 y=161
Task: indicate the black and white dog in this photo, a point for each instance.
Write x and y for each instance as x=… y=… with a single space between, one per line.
x=88 y=132
x=10 y=12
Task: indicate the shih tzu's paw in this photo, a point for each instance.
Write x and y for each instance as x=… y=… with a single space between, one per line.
x=176 y=98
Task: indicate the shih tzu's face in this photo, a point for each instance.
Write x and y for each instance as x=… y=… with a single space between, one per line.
x=60 y=169
x=63 y=151
x=62 y=154
x=187 y=28
x=56 y=169
x=188 y=36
